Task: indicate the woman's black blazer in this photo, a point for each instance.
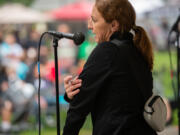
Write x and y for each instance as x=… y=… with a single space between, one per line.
x=110 y=92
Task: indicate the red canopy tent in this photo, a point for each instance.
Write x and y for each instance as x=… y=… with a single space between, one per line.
x=74 y=11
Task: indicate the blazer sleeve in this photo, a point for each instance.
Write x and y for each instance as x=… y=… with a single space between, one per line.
x=94 y=74
x=66 y=98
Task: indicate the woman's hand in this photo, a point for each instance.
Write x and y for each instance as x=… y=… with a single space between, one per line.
x=71 y=86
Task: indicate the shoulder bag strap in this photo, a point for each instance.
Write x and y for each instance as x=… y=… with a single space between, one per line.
x=139 y=72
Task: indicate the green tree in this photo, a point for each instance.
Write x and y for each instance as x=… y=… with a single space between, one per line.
x=24 y=2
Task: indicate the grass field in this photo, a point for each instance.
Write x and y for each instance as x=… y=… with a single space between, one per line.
x=86 y=129
x=54 y=132
x=44 y=132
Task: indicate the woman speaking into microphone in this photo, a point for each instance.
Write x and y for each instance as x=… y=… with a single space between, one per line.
x=107 y=87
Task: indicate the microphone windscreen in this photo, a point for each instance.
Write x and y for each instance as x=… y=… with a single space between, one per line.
x=79 y=38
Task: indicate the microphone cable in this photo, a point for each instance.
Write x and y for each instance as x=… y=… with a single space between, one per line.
x=171 y=67
x=39 y=85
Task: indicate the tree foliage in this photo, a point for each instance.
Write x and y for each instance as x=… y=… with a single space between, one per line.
x=24 y=2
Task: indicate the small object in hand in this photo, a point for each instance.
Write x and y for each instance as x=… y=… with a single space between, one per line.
x=73 y=78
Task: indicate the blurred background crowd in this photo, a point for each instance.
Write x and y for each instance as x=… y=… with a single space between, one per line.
x=21 y=24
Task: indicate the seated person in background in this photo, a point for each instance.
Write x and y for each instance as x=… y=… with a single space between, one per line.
x=5 y=105
x=16 y=101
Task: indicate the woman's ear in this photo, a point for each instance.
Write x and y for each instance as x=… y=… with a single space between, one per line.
x=114 y=26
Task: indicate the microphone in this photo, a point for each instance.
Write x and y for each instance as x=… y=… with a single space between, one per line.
x=77 y=37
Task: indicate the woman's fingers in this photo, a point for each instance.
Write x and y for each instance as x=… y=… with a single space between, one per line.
x=73 y=93
x=73 y=87
x=76 y=81
x=67 y=79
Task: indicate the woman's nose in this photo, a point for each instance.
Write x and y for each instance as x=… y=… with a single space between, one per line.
x=90 y=24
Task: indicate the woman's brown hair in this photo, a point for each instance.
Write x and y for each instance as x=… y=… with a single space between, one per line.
x=123 y=12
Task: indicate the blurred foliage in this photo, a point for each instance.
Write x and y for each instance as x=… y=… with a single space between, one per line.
x=162 y=70
x=24 y=2
x=175 y=116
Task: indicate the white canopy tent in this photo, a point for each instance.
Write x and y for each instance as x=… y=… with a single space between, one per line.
x=143 y=6
x=18 y=14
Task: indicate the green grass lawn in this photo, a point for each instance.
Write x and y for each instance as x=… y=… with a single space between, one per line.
x=54 y=132
x=86 y=129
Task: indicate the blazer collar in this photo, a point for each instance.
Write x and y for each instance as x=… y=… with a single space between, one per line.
x=124 y=36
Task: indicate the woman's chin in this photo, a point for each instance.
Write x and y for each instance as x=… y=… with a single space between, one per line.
x=96 y=40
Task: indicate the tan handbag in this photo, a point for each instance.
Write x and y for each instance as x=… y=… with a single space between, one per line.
x=155 y=113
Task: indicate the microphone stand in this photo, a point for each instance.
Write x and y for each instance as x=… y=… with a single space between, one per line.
x=78 y=38
x=176 y=28
x=178 y=77
x=55 y=45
